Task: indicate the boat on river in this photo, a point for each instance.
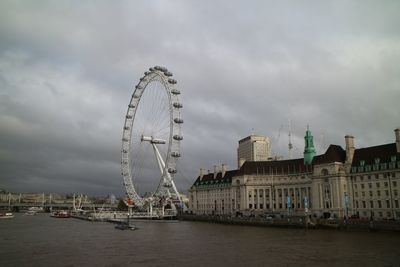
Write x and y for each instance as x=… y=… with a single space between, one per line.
x=60 y=214
x=125 y=226
x=6 y=215
x=30 y=213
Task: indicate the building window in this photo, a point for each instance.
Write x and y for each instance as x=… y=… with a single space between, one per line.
x=355 y=186
x=370 y=193
x=362 y=186
x=387 y=192
x=376 y=176
x=378 y=193
x=395 y=192
x=380 y=214
x=378 y=184
x=388 y=214
x=394 y=183
x=250 y=206
x=369 y=185
x=357 y=204
x=396 y=203
x=363 y=204
x=261 y=206
x=356 y=194
x=387 y=204
x=255 y=206
x=379 y=204
x=363 y=193
x=371 y=204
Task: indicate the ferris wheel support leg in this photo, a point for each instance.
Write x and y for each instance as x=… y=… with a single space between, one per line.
x=160 y=161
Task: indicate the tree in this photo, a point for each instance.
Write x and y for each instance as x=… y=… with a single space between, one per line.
x=122 y=206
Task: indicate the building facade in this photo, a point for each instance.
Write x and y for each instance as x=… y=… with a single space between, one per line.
x=340 y=182
x=253 y=148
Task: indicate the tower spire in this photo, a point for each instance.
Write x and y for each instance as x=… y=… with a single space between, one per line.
x=309 y=149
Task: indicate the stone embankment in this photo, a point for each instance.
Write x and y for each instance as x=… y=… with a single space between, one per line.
x=299 y=222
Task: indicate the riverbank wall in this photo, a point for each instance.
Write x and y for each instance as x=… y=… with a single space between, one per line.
x=299 y=222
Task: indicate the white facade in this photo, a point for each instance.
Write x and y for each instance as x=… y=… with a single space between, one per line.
x=363 y=182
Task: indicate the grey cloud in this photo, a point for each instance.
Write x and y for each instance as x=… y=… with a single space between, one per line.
x=67 y=71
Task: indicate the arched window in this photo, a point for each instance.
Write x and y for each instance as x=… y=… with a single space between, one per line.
x=324 y=172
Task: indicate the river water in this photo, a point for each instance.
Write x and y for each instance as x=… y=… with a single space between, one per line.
x=43 y=241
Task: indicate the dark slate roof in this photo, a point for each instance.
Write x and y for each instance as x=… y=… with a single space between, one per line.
x=334 y=153
x=368 y=154
x=274 y=167
x=219 y=179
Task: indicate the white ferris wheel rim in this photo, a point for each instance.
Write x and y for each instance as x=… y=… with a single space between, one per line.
x=164 y=77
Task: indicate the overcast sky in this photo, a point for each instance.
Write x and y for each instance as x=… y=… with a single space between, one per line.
x=67 y=71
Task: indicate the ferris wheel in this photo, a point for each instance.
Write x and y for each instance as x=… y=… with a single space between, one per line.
x=151 y=136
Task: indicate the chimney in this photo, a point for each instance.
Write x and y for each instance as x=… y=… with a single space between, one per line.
x=215 y=171
x=241 y=162
x=349 y=148
x=201 y=173
x=223 y=168
x=397 y=133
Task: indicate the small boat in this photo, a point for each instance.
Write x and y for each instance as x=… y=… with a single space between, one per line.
x=30 y=212
x=7 y=215
x=36 y=209
x=125 y=226
x=60 y=214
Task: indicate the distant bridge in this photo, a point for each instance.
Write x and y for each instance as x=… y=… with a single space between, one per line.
x=56 y=206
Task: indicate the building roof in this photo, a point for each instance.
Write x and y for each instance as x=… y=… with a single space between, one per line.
x=369 y=154
x=219 y=179
x=334 y=153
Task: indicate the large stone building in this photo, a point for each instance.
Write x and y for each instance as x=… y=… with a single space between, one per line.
x=339 y=182
x=253 y=148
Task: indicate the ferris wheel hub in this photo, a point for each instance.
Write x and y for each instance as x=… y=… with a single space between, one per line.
x=152 y=140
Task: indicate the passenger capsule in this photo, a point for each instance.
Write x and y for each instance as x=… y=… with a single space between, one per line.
x=157 y=68
x=151 y=69
x=139 y=87
x=126 y=128
x=168 y=185
x=178 y=137
x=129 y=117
x=146 y=73
x=124 y=151
x=171 y=81
x=131 y=106
x=177 y=105
x=175 y=154
x=178 y=120
x=175 y=91
x=171 y=170
x=168 y=74
x=125 y=139
x=135 y=96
